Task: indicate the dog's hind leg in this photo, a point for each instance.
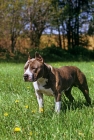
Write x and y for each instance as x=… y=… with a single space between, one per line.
x=83 y=86
x=85 y=91
x=69 y=95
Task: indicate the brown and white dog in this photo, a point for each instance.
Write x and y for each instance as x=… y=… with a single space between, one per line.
x=53 y=81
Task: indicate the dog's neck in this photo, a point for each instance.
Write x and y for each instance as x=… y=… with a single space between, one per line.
x=46 y=71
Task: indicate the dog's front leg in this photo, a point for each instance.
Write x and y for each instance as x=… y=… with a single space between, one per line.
x=40 y=101
x=58 y=103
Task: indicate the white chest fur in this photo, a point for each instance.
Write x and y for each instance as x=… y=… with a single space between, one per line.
x=39 y=87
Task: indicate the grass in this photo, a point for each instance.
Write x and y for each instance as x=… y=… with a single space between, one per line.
x=19 y=117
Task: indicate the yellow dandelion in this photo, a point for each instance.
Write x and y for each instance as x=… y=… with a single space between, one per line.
x=91 y=77
x=33 y=111
x=28 y=87
x=41 y=110
x=16 y=101
x=5 y=114
x=81 y=134
x=17 y=129
x=30 y=133
x=26 y=106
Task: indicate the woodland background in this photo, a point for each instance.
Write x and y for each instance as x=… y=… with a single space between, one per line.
x=56 y=28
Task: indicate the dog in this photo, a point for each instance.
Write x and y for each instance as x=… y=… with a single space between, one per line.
x=53 y=81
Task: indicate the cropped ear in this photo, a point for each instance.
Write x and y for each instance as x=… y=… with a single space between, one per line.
x=38 y=57
x=29 y=57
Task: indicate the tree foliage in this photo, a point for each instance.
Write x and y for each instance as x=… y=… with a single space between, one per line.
x=74 y=15
x=12 y=22
x=31 y=18
x=38 y=16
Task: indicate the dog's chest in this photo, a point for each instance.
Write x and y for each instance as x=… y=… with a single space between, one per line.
x=40 y=87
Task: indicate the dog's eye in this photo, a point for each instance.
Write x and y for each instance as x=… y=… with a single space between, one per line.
x=34 y=68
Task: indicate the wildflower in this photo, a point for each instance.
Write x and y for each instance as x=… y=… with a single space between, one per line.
x=91 y=77
x=28 y=87
x=5 y=114
x=33 y=111
x=26 y=106
x=30 y=133
x=16 y=101
x=17 y=129
x=81 y=134
x=41 y=110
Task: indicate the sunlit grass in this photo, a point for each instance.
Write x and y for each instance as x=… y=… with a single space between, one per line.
x=19 y=116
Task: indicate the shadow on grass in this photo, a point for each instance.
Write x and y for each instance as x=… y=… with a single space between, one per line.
x=68 y=106
x=73 y=106
x=77 y=104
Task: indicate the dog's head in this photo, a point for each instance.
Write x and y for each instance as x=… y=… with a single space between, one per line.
x=34 y=68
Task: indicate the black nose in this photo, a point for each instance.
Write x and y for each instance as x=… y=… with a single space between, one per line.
x=25 y=76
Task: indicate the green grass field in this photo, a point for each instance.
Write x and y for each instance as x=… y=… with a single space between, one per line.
x=19 y=116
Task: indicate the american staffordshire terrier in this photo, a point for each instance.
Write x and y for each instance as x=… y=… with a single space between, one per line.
x=53 y=81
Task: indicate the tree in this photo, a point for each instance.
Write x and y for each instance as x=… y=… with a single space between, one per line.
x=55 y=19
x=12 y=20
x=75 y=14
x=38 y=16
x=91 y=23
x=32 y=17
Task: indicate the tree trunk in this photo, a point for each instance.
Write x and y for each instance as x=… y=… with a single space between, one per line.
x=59 y=36
x=35 y=39
x=68 y=33
x=63 y=36
x=77 y=23
x=13 y=43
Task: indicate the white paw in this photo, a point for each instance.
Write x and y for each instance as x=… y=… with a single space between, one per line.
x=57 y=106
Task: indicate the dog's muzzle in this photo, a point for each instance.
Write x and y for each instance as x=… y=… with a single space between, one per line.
x=25 y=77
x=29 y=78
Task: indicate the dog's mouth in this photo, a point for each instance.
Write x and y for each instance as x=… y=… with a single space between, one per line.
x=28 y=78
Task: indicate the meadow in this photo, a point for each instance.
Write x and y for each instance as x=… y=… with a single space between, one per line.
x=19 y=116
